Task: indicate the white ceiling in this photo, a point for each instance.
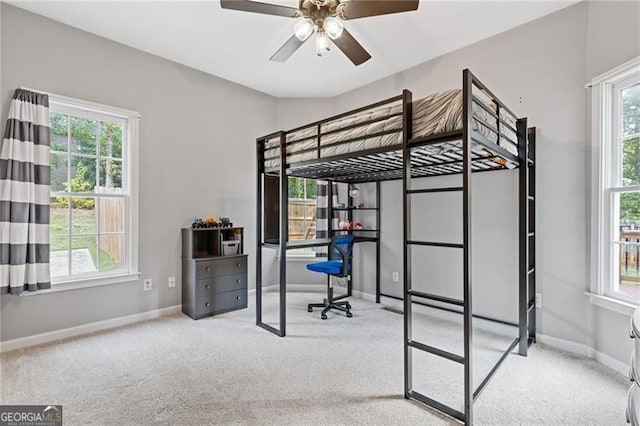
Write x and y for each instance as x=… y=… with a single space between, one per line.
x=237 y=45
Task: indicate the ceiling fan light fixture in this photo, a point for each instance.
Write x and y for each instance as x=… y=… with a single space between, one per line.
x=303 y=28
x=322 y=41
x=333 y=27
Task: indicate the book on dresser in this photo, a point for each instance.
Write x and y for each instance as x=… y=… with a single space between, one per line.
x=214 y=271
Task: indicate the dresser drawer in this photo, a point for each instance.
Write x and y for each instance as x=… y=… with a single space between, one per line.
x=222 y=302
x=222 y=284
x=221 y=266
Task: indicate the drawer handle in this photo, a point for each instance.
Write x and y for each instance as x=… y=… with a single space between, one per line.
x=237 y=281
x=207 y=286
x=237 y=265
x=206 y=304
x=208 y=269
x=238 y=297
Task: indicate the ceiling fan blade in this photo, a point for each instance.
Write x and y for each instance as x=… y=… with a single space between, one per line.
x=350 y=47
x=287 y=49
x=259 y=7
x=354 y=9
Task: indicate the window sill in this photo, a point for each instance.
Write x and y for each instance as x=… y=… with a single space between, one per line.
x=85 y=283
x=624 y=308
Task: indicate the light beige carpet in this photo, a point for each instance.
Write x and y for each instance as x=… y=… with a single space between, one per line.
x=225 y=370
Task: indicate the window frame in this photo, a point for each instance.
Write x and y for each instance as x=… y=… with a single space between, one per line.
x=130 y=119
x=606 y=183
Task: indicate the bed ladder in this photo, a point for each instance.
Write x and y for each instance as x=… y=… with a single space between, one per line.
x=526 y=283
x=527 y=231
x=410 y=294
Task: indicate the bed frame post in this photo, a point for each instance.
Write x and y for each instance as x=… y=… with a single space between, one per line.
x=467 y=123
x=523 y=229
x=379 y=228
x=284 y=232
x=259 y=209
x=407 y=123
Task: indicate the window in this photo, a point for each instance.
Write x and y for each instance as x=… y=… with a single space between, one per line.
x=302 y=209
x=93 y=203
x=302 y=213
x=616 y=103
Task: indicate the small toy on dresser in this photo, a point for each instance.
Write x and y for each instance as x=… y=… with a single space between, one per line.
x=211 y=222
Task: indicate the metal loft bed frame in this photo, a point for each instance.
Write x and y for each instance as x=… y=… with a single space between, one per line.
x=407 y=161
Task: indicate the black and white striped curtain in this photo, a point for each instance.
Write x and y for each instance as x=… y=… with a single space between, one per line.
x=25 y=195
x=322 y=212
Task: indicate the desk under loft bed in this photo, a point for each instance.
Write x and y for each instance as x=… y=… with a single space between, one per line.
x=452 y=132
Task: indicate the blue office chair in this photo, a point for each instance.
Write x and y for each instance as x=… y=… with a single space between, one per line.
x=338 y=265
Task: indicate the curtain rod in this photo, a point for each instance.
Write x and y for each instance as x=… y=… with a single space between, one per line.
x=86 y=104
x=40 y=91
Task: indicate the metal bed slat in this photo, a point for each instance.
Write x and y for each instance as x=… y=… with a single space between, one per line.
x=501 y=152
x=481 y=104
x=391 y=173
x=494 y=130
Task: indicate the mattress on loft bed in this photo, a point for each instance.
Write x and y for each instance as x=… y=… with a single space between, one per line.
x=440 y=112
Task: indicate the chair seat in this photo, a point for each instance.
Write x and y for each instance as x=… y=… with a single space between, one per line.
x=331 y=267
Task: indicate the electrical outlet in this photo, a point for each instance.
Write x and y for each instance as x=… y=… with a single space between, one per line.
x=148 y=283
x=172 y=282
x=538 y=300
x=395 y=277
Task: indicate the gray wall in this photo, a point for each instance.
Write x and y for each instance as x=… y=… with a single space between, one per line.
x=196 y=155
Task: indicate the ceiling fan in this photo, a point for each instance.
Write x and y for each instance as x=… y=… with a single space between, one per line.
x=323 y=17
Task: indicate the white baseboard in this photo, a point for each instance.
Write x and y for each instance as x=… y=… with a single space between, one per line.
x=612 y=363
x=364 y=296
x=565 y=345
x=65 y=333
x=584 y=350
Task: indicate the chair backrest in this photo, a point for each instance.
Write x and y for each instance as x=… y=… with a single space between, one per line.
x=341 y=248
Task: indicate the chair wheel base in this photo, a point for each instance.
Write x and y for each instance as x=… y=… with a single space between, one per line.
x=327 y=305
